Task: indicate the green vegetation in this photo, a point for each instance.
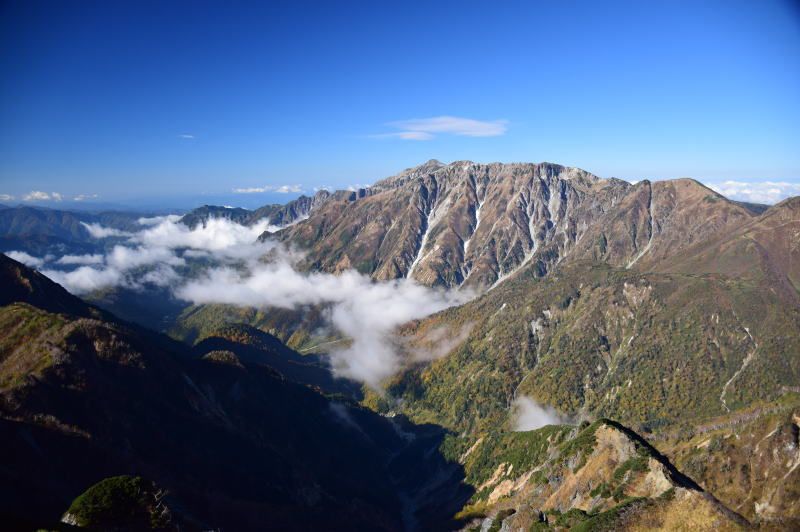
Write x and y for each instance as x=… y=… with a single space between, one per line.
x=297 y=328
x=517 y=451
x=640 y=348
x=602 y=490
x=571 y=517
x=634 y=463
x=19 y=356
x=122 y=501
x=498 y=520
x=607 y=520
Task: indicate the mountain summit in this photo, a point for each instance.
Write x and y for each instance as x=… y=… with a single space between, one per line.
x=475 y=225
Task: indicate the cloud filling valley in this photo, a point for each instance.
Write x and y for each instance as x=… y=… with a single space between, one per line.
x=236 y=272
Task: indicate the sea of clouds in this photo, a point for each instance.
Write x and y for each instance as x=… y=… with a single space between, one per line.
x=234 y=271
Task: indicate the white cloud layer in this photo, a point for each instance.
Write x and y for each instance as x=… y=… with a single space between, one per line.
x=26 y=259
x=530 y=415
x=81 y=259
x=86 y=279
x=769 y=192
x=151 y=255
x=6 y=197
x=279 y=189
x=99 y=231
x=155 y=220
x=359 y=308
x=424 y=128
x=363 y=310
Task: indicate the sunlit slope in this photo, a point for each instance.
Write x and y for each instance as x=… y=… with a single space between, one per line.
x=599 y=476
x=647 y=349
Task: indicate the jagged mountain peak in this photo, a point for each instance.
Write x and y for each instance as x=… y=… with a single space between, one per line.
x=463 y=223
x=475 y=224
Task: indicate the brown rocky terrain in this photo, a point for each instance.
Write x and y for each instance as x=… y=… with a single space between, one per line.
x=472 y=225
x=594 y=477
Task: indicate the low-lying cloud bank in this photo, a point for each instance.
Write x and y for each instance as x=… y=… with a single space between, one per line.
x=530 y=415
x=361 y=309
x=769 y=192
x=233 y=271
x=152 y=254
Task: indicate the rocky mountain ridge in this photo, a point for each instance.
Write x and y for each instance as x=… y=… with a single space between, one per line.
x=475 y=225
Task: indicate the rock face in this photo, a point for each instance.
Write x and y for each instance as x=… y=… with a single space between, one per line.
x=275 y=214
x=468 y=224
x=458 y=224
x=598 y=476
x=750 y=460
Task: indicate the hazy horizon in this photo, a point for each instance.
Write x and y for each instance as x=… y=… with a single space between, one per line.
x=109 y=102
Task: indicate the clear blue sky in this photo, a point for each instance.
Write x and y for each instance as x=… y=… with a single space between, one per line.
x=94 y=96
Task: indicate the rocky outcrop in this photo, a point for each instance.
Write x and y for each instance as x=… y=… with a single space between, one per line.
x=475 y=225
x=602 y=472
x=275 y=214
x=461 y=224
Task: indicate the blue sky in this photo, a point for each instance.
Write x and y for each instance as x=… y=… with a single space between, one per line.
x=175 y=99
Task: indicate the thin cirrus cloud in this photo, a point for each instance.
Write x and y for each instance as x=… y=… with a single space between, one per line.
x=427 y=128
x=279 y=189
x=189 y=137
x=769 y=192
x=84 y=197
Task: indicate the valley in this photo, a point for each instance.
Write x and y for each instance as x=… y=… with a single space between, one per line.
x=460 y=346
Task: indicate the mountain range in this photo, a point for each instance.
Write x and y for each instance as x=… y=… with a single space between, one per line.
x=659 y=319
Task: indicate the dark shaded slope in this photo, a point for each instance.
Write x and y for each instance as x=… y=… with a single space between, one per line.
x=240 y=446
x=254 y=346
x=39 y=230
x=22 y=284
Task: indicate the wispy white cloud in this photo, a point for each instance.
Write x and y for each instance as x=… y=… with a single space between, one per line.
x=83 y=197
x=770 y=192
x=155 y=220
x=190 y=137
x=530 y=415
x=359 y=308
x=406 y=135
x=38 y=195
x=150 y=255
x=99 y=231
x=81 y=259
x=6 y=197
x=26 y=259
x=424 y=128
x=87 y=278
x=365 y=311
x=279 y=189
x=356 y=186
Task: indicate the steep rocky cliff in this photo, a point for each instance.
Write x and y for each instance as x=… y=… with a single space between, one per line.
x=458 y=224
x=599 y=476
x=474 y=225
